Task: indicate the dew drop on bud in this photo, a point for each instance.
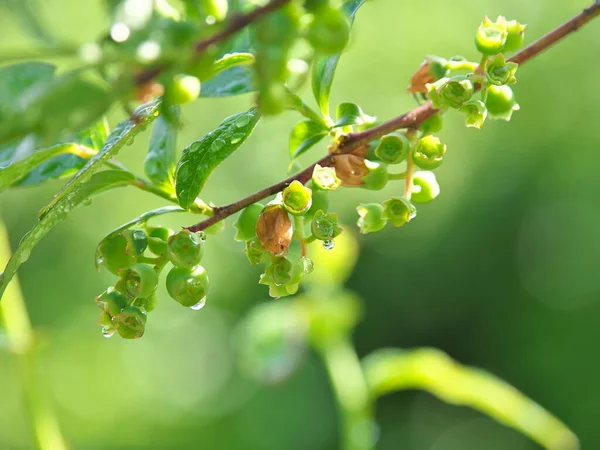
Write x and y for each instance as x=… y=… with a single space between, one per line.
x=108 y=332
x=328 y=244
x=309 y=266
x=198 y=306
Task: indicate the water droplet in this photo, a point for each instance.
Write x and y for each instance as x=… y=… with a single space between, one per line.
x=236 y=138
x=309 y=266
x=198 y=306
x=108 y=332
x=87 y=201
x=329 y=244
x=242 y=121
x=217 y=145
x=99 y=260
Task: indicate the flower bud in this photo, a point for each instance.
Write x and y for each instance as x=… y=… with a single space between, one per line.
x=325 y=226
x=393 y=148
x=246 y=222
x=429 y=152
x=430 y=70
x=182 y=89
x=283 y=275
x=452 y=92
x=157 y=239
x=501 y=102
x=516 y=35
x=185 y=248
x=121 y=251
x=491 y=36
x=499 y=71
x=475 y=113
x=187 y=286
x=433 y=124
x=370 y=217
x=111 y=302
x=399 y=211
x=140 y=280
x=329 y=31
x=255 y=251
x=377 y=177
x=297 y=198
x=325 y=178
x=274 y=229
x=131 y=323
x=426 y=187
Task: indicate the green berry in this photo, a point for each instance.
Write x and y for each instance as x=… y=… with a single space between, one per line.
x=393 y=148
x=185 y=248
x=475 y=113
x=399 y=211
x=452 y=92
x=377 y=176
x=131 y=323
x=324 y=178
x=370 y=217
x=148 y=303
x=157 y=239
x=499 y=71
x=111 y=302
x=491 y=36
x=325 y=226
x=187 y=286
x=329 y=31
x=432 y=125
x=121 y=251
x=297 y=198
x=140 y=280
x=429 y=152
x=501 y=102
x=246 y=222
x=182 y=89
x=426 y=187
x=515 y=37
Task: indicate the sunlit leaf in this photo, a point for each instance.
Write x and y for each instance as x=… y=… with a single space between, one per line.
x=161 y=159
x=305 y=135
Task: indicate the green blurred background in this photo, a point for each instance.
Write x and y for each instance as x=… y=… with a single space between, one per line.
x=500 y=271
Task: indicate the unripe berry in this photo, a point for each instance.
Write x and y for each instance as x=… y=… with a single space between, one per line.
x=297 y=198
x=501 y=102
x=111 y=302
x=182 y=89
x=370 y=217
x=429 y=152
x=246 y=222
x=325 y=226
x=140 y=280
x=121 y=250
x=187 y=286
x=499 y=71
x=157 y=239
x=393 y=148
x=426 y=187
x=491 y=36
x=377 y=176
x=433 y=124
x=185 y=248
x=329 y=31
x=452 y=92
x=131 y=323
x=516 y=35
x=274 y=229
x=325 y=178
x=399 y=211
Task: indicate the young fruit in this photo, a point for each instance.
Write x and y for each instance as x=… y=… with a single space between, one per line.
x=297 y=198
x=182 y=89
x=140 y=280
x=187 y=286
x=121 y=251
x=393 y=148
x=329 y=31
x=325 y=226
x=426 y=187
x=399 y=211
x=246 y=222
x=491 y=36
x=157 y=239
x=131 y=323
x=501 y=102
x=429 y=152
x=370 y=217
x=185 y=248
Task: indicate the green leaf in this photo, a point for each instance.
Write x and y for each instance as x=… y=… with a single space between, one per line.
x=295 y=103
x=348 y=114
x=324 y=66
x=232 y=60
x=19 y=81
x=25 y=12
x=201 y=157
x=305 y=135
x=161 y=159
x=393 y=370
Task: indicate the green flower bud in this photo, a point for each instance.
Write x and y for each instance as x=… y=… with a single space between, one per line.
x=111 y=302
x=432 y=125
x=274 y=229
x=452 y=92
x=148 y=303
x=320 y=201
x=475 y=113
x=246 y=222
x=185 y=249
x=283 y=276
x=325 y=226
x=121 y=251
x=140 y=280
x=297 y=198
x=426 y=187
x=255 y=252
x=157 y=239
x=399 y=211
x=499 y=71
x=182 y=89
x=377 y=177
x=370 y=217
x=500 y=102
x=491 y=36
x=393 y=148
x=324 y=178
x=131 y=323
x=429 y=152
x=329 y=31
x=516 y=35
x=188 y=286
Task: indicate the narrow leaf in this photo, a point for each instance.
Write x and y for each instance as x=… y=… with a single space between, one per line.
x=433 y=371
x=201 y=157
x=295 y=103
x=324 y=66
x=305 y=135
x=161 y=159
x=348 y=114
x=232 y=60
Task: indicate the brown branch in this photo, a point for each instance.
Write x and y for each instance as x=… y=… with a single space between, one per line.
x=236 y=24
x=410 y=119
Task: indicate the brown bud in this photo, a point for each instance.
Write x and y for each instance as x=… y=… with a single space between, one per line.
x=351 y=169
x=420 y=78
x=274 y=230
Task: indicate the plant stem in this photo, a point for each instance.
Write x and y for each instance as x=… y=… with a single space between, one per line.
x=299 y=232
x=411 y=134
x=14 y=319
x=396 y=176
x=411 y=119
x=351 y=393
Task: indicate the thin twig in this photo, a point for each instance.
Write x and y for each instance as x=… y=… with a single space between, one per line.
x=411 y=119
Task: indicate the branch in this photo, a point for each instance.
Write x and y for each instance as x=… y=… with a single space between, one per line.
x=237 y=23
x=411 y=119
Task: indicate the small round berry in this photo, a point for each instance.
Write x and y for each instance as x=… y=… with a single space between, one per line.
x=515 y=37
x=329 y=31
x=501 y=102
x=121 y=251
x=187 y=286
x=131 y=323
x=182 y=89
x=377 y=176
x=426 y=187
x=324 y=178
x=370 y=217
x=433 y=124
x=297 y=198
x=393 y=148
x=157 y=239
x=399 y=211
x=140 y=280
x=491 y=36
x=111 y=302
x=429 y=152
x=325 y=226
x=185 y=248
x=246 y=222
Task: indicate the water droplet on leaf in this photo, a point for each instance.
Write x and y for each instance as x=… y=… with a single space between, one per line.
x=198 y=306
x=108 y=332
x=242 y=121
x=217 y=145
x=309 y=266
x=329 y=244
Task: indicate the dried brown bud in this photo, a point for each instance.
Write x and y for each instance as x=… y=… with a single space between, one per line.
x=351 y=169
x=274 y=229
x=431 y=69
